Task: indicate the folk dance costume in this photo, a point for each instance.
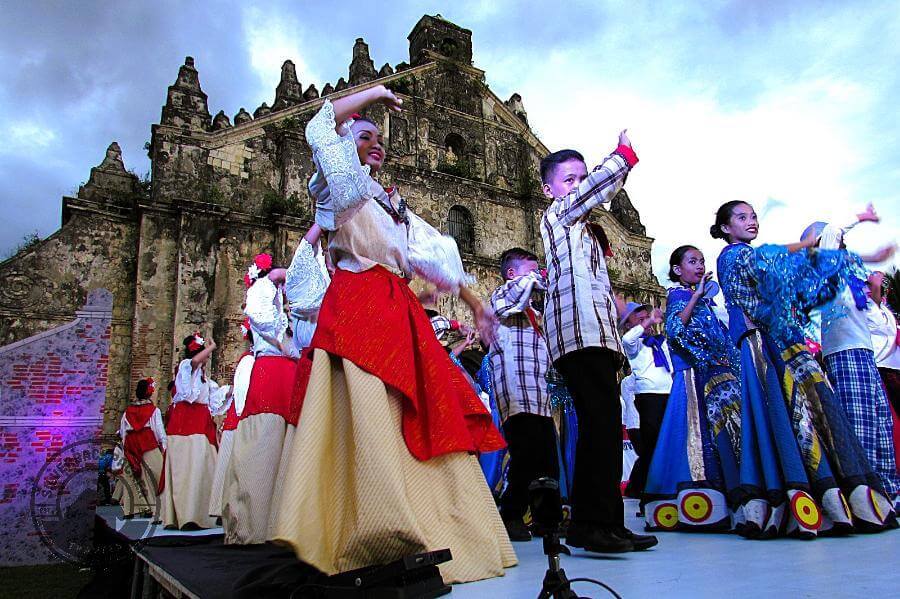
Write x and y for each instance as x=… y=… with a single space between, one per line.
x=850 y=364
x=238 y=396
x=584 y=345
x=693 y=474
x=144 y=442
x=266 y=421
x=190 y=463
x=802 y=470
x=651 y=366
x=632 y=452
x=519 y=367
x=380 y=466
x=494 y=464
x=885 y=339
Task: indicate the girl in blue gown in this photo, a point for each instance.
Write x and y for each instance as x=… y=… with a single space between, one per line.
x=802 y=470
x=693 y=476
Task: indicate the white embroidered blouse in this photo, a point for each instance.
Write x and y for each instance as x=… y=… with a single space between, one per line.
x=363 y=233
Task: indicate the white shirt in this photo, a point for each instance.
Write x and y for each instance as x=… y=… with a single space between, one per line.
x=630 y=416
x=156 y=425
x=265 y=309
x=242 y=382
x=190 y=386
x=843 y=324
x=883 y=327
x=648 y=377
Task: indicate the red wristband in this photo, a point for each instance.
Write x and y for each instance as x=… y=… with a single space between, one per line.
x=628 y=154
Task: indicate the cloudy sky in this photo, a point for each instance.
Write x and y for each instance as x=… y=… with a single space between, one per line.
x=791 y=106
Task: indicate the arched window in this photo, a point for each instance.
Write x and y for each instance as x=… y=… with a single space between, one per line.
x=462 y=229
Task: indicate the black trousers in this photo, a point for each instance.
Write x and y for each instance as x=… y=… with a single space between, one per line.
x=651 y=407
x=532 y=454
x=590 y=376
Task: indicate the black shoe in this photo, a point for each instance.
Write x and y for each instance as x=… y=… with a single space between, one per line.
x=597 y=541
x=640 y=542
x=517 y=531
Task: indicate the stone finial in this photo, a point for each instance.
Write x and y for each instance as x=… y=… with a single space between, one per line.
x=242 y=117
x=402 y=66
x=362 y=69
x=625 y=212
x=386 y=70
x=109 y=179
x=341 y=84
x=263 y=110
x=221 y=121
x=289 y=90
x=311 y=93
x=515 y=105
x=328 y=89
x=185 y=101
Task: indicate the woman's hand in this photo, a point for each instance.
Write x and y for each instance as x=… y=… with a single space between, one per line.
x=486 y=322
x=389 y=99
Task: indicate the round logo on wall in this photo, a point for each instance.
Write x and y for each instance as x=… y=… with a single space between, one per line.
x=64 y=497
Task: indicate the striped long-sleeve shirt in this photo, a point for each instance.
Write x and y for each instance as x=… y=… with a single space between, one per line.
x=579 y=308
x=519 y=362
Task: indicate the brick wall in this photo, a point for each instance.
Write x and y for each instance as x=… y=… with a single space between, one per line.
x=52 y=391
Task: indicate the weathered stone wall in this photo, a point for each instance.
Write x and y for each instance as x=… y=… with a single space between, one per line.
x=174 y=250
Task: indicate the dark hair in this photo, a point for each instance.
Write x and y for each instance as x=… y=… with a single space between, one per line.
x=143 y=389
x=676 y=258
x=723 y=215
x=170 y=386
x=364 y=119
x=188 y=354
x=514 y=255
x=250 y=336
x=551 y=161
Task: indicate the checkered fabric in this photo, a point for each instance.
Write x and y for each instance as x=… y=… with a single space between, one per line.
x=579 y=310
x=520 y=360
x=859 y=387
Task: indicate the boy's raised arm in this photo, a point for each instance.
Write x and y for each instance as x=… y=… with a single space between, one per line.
x=600 y=186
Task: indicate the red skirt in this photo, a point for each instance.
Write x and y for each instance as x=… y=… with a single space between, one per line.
x=231 y=419
x=374 y=320
x=191 y=419
x=270 y=388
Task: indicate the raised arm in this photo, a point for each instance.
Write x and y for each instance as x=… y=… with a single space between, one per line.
x=599 y=187
x=512 y=297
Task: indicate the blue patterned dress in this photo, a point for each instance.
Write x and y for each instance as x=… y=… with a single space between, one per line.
x=802 y=470
x=694 y=471
x=494 y=463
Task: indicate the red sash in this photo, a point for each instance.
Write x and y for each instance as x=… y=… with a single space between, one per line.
x=269 y=391
x=374 y=320
x=188 y=419
x=231 y=419
x=140 y=439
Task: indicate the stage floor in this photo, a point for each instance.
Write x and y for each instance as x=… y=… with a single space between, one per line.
x=698 y=566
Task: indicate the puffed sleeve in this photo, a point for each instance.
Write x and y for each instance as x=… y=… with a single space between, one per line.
x=184 y=384
x=340 y=184
x=435 y=257
x=261 y=308
x=306 y=281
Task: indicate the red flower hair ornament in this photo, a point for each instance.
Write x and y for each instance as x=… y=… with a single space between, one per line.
x=261 y=264
x=197 y=342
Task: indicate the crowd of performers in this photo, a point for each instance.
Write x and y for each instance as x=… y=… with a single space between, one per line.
x=356 y=444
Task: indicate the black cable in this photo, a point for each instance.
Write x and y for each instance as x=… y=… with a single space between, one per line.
x=597 y=582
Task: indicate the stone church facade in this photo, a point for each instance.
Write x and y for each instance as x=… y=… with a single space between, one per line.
x=173 y=250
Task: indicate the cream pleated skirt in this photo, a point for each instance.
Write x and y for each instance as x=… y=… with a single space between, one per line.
x=189 y=470
x=354 y=496
x=137 y=496
x=223 y=456
x=253 y=478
